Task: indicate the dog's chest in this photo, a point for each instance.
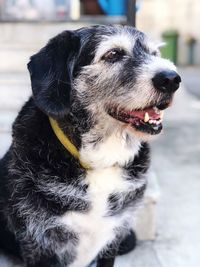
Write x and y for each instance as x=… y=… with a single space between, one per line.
x=119 y=148
x=96 y=228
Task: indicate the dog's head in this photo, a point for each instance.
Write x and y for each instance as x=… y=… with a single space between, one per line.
x=115 y=72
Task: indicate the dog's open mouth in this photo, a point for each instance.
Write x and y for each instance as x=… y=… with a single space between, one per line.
x=148 y=120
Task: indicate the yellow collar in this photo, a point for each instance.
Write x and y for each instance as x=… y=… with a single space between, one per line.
x=66 y=142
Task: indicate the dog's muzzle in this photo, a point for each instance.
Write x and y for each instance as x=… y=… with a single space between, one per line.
x=149 y=119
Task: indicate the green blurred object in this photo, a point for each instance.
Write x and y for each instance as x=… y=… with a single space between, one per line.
x=169 y=51
x=191 y=41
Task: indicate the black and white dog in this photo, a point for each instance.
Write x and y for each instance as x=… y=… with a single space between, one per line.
x=75 y=172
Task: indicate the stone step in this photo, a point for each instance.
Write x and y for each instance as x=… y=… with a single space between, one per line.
x=145 y=224
x=18 y=41
x=15 y=89
x=14 y=78
x=5 y=141
x=13 y=98
x=31 y=33
x=14 y=60
x=6 y=119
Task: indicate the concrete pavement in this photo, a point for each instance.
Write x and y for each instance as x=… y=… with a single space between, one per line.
x=191 y=79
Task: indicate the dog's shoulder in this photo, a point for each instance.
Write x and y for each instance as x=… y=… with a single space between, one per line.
x=39 y=165
x=31 y=122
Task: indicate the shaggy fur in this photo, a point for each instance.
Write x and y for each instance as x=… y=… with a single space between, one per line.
x=53 y=212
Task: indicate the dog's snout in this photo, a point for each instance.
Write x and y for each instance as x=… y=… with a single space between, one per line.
x=167 y=81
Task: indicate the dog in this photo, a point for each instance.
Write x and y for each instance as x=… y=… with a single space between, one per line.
x=76 y=170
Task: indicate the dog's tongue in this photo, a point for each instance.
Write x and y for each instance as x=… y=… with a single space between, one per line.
x=141 y=113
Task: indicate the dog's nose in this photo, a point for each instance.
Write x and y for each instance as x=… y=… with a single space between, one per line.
x=167 y=81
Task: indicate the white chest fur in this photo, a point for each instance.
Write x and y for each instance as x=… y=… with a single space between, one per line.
x=94 y=228
x=115 y=149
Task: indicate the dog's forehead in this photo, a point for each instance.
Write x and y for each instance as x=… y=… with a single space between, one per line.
x=125 y=38
x=97 y=40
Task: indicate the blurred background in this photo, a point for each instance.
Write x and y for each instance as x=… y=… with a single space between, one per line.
x=168 y=225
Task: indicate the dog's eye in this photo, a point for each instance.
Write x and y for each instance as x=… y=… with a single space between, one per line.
x=113 y=55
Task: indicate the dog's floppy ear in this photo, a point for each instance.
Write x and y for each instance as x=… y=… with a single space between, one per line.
x=51 y=74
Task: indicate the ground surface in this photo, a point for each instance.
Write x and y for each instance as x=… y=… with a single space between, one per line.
x=191 y=79
x=176 y=159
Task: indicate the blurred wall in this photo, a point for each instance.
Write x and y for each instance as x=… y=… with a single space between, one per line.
x=20 y=40
x=156 y=16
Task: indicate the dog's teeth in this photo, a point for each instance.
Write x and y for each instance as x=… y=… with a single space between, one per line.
x=161 y=114
x=146 y=117
x=153 y=122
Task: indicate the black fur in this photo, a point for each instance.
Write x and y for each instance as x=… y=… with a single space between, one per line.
x=119 y=202
x=37 y=170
